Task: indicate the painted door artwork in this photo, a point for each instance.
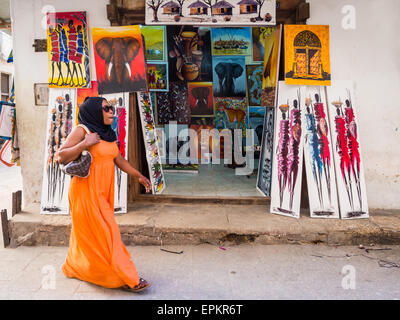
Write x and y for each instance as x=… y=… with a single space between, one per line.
x=60 y=122
x=67 y=50
x=318 y=155
x=346 y=150
x=287 y=162
x=151 y=143
x=209 y=12
x=265 y=162
x=119 y=59
x=120 y=101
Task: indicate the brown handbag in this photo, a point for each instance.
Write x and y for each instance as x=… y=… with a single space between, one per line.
x=79 y=167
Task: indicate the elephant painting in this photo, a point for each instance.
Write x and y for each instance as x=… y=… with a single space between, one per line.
x=120 y=63
x=201 y=100
x=229 y=77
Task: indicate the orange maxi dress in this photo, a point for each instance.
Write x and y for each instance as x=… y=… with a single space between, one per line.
x=96 y=252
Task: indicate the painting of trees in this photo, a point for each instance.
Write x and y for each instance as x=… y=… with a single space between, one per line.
x=155 y=4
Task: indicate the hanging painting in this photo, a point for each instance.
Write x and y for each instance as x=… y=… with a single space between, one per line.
x=287 y=163
x=254 y=84
x=222 y=12
x=60 y=121
x=229 y=76
x=120 y=102
x=154 y=42
x=307 y=60
x=157 y=76
x=82 y=93
x=151 y=144
x=189 y=53
x=201 y=99
x=231 y=113
x=119 y=58
x=265 y=162
x=256 y=122
x=67 y=50
x=318 y=155
x=258 y=35
x=231 y=41
x=346 y=150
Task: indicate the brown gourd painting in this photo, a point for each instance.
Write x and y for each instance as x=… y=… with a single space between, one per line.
x=119 y=59
x=307 y=60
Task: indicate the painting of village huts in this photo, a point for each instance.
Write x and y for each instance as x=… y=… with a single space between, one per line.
x=210 y=12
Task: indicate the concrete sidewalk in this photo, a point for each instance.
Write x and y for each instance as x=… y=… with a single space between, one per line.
x=246 y=271
x=188 y=224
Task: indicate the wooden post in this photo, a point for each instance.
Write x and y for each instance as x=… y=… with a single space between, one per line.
x=14 y=204
x=19 y=201
x=4 y=226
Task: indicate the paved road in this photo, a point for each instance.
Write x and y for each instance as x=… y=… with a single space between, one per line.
x=208 y=272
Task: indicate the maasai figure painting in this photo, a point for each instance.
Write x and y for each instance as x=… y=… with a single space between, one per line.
x=318 y=155
x=265 y=162
x=151 y=143
x=120 y=101
x=157 y=76
x=346 y=150
x=67 y=50
x=119 y=58
x=60 y=122
x=287 y=163
x=222 y=12
x=272 y=47
x=307 y=60
x=154 y=42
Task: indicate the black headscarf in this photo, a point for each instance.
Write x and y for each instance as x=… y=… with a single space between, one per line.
x=91 y=115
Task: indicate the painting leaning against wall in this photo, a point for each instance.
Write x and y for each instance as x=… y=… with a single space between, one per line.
x=60 y=122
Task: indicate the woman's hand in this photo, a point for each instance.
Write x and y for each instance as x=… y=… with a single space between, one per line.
x=91 y=139
x=146 y=183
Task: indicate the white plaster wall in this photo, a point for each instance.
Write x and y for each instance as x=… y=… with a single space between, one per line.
x=30 y=68
x=370 y=56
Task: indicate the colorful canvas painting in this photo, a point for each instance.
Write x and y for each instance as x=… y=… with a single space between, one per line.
x=67 y=50
x=254 y=75
x=229 y=76
x=307 y=59
x=222 y=12
x=318 y=155
x=151 y=143
x=120 y=125
x=231 y=41
x=256 y=122
x=201 y=99
x=119 y=59
x=60 y=122
x=287 y=162
x=264 y=176
x=154 y=42
x=157 y=76
x=272 y=48
x=346 y=148
x=258 y=35
x=189 y=53
x=231 y=113
x=82 y=93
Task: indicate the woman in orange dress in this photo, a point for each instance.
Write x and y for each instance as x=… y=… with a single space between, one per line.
x=96 y=252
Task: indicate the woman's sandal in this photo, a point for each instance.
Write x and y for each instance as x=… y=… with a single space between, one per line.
x=143 y=284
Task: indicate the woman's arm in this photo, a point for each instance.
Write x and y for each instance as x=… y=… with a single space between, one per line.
x=125 y=166
x=76 y=142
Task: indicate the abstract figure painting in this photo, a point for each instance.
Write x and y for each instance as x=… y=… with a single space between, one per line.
x=154 y=42
x=120 y=101
x=287 y=163
x=272 y=49
x=265 y=163
x=318 y=155
x=67 y=50
x=259 y=34
x=157 y=76
x=222 y=12
x=151 y=144
x=254 y=83
x=201 y=99
x=347 y=154
x=229 y=76
x=231 y=41
x=60 y=122
x=307 y=60
x=119 y=58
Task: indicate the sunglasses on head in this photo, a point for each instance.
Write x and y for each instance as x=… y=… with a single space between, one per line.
x=108 y=108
